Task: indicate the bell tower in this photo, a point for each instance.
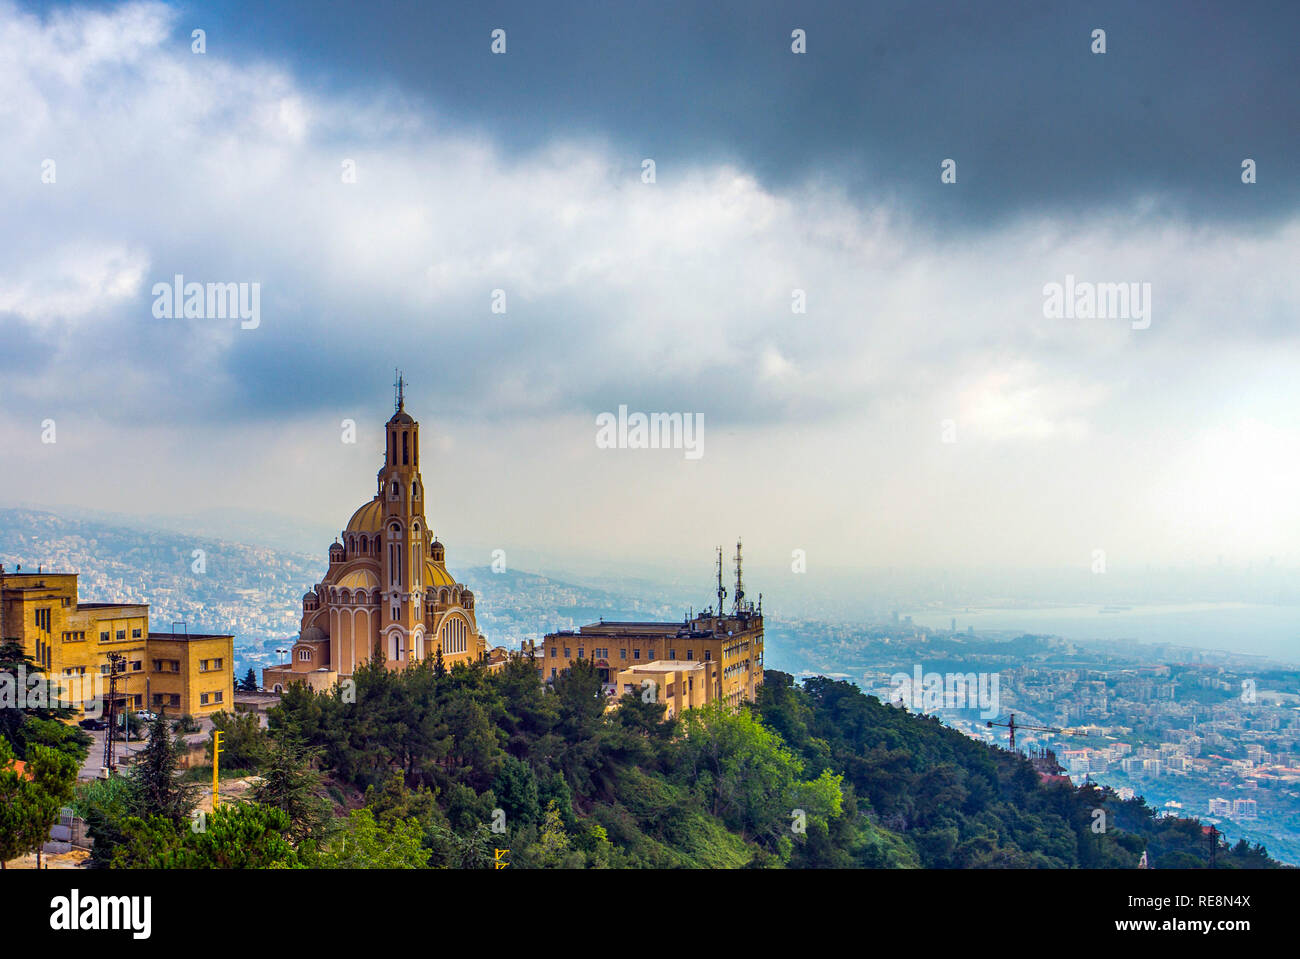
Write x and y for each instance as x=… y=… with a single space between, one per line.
x=401 y=490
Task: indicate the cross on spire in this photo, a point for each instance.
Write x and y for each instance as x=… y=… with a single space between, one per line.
x=398 y=387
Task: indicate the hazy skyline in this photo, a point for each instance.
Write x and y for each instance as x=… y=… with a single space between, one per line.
x=923 y=412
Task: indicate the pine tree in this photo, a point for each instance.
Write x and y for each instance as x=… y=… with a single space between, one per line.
x=250 y=681
x=30 y=802
x=22 y=722
x=155 y=787
x=292 y=784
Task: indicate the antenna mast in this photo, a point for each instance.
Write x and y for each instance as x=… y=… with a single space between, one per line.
x=722 y=590
x=739 y=596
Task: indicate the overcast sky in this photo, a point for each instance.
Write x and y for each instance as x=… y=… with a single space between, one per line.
x=923 y=412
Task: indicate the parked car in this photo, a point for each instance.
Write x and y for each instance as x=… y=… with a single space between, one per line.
x=145 y=716
x=89 y=723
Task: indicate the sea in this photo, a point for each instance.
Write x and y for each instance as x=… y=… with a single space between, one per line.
x=1253 y=629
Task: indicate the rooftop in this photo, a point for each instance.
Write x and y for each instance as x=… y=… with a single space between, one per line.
x=183 y=637
x=668 y=665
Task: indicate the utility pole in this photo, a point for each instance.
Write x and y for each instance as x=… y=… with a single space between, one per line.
x=216 y=761
x=110 y=757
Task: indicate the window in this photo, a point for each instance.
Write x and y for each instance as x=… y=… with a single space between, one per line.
x=43 y=619
x=103 y=636
x=455 y=636
x=135 y=633
x=203 y=699
x=136 y=666
x=622 y=653
x=652 y=654
x=690 y=654
x=121 y=634
x=554 y=652
x=568 y=652
x=304 y=655
x=218 y=696
x=672 y=654
x=636 y=654
x=581 y=651
x=708 y=655
x=552 y=672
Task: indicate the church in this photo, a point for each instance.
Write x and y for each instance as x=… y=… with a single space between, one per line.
x=387 y=588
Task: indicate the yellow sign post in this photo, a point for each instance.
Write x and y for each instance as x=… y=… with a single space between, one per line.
x=216 y=754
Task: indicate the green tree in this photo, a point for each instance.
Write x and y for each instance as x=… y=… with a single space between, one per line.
x=155 y=786
x=249 y=685
x=30 y=801
x=743 y=769
x=28 y=718
x=243 y=740
x=364 y=843
x=291 y=784
x=516 y=791
x=105 y=805
x=554 y=841
x=234 y=836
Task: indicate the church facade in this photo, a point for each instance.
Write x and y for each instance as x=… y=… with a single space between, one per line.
x=387 y=590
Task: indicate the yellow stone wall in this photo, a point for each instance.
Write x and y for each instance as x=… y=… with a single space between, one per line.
x=74 y=641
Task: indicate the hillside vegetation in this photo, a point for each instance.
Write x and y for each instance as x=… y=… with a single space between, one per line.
x=465 y=768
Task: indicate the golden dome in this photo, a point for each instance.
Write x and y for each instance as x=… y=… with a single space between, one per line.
x=368 y=519
x=359 y=579
x=436 y=576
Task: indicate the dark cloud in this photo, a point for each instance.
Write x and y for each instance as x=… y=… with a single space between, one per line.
x=886 y=91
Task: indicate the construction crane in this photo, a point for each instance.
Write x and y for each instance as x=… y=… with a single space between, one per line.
x=1012 y=725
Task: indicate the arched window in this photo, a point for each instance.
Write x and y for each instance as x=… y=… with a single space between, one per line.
x=395 y=555
x=455 y=637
